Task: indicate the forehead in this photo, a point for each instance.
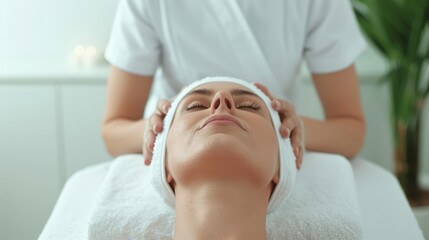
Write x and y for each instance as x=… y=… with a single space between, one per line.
x=216 y=86
x=213 y=87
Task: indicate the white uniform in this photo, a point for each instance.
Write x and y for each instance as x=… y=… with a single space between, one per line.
x=259 y=41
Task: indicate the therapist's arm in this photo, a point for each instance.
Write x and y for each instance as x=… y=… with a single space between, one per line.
x=343 y=130
x=123 y=125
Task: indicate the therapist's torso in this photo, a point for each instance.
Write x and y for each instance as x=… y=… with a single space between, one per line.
x=258 y=41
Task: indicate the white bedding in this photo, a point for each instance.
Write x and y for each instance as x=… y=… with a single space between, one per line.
x=322 y=204
x=384 y=208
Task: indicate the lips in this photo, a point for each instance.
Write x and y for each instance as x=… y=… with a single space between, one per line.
x=223 y=118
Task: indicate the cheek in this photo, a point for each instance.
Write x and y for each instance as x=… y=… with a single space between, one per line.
x=182 y=127
x=262 y=136
x=178 y=138
x=266 y=151
x=179 y=145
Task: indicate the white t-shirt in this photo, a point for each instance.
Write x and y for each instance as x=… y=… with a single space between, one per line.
x=258 y=41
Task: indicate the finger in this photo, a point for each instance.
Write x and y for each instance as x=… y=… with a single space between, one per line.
x=279 y=105
x=283 y=106
x=148 y=147
x=296 y=140
x=288 y=119
x=288 y=126
x=162 y=107
x=155 y=123
x=300 y=157
x=147 y=156
x=147 y=159
x=288 y=113
x=264 y=90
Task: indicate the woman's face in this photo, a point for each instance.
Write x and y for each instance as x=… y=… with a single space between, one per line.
x=222 y=131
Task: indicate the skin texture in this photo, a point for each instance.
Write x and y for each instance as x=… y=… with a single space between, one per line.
x=341 y=132
x=123 y=126
x=252 y=139
x=222 y=161
x=344 y=127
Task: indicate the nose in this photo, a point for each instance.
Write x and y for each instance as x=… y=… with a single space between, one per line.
x=222 y=101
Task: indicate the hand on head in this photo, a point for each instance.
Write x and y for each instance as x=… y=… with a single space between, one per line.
x=292 y=126
x=153 y=126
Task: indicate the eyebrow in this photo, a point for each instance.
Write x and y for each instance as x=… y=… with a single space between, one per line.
x=210 y=92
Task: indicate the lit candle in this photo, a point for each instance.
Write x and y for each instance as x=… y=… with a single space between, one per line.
x=90 y=57
x=79 y=53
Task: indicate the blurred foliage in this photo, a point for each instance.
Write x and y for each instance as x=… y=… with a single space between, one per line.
x=399 y=29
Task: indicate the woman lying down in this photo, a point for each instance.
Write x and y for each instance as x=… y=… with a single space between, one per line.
x=224 y=165
x=220 y=169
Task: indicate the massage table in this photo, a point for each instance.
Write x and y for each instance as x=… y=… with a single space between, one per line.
x=385 y=211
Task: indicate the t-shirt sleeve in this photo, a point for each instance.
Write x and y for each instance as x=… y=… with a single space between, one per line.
x=333 y=38
x=133 y=45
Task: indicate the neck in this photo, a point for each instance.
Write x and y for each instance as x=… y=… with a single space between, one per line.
x=217 y=210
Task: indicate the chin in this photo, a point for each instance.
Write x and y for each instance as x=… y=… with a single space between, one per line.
x=217 y=156
x=222 y=145
x=225 y=154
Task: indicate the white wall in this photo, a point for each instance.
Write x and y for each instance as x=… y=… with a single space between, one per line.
x=48 y=30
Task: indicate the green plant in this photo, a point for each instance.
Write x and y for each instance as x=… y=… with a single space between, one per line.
x=399 y=29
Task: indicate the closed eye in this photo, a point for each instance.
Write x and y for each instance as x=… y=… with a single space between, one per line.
x=249 y=105
x=244 y=106
x=195 y=106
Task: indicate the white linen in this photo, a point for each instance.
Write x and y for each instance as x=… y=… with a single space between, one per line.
x=70 y=216
x=322 y=206
x=386 y=214
x=385 y=209
x=128 y=206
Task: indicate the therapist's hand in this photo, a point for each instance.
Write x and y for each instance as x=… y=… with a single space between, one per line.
x=153 y=126
x=292 y=124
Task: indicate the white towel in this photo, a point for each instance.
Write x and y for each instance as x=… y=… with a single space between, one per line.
x=287 y=166
x=323 y=204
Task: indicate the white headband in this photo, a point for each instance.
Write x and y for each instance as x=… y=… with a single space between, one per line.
x=287 y=158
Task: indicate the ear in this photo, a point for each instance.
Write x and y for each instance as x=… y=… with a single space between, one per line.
x=171 y=182
x=167 y=171
x=169 y=177
x=276 y=177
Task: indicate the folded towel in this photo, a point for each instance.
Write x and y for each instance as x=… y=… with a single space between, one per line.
x=323 y=204
x=287 y=166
